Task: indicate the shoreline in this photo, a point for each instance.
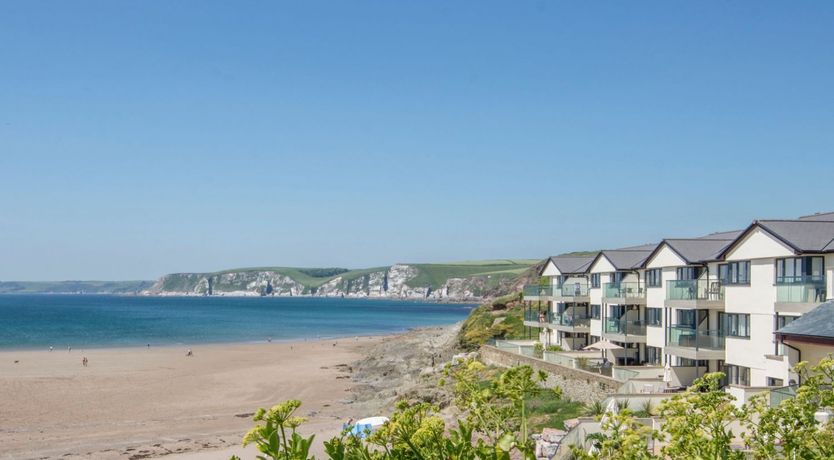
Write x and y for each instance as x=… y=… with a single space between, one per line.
x=236 y=295
x=135 y=402
x=168 y=346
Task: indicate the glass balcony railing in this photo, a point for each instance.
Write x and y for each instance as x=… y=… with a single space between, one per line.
x=689 y=337
x=572 y=319
x=536 y=290
x=800 y=289
x=777 y=395
x=545 y=316
x=619 y=326
x=573 y=289
x=626 y=290
x=703 y=289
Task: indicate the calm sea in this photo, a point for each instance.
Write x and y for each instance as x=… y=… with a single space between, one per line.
x=40 y=321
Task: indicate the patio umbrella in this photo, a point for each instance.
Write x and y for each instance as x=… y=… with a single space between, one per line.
x=667 y=374
x=603 y=346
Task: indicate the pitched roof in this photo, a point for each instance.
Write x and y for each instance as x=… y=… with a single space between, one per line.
x=803 y=235
x=818 y=322
x=573 y=264
x=729 y=235
x=699 y=249
x=819 y=216
x=627 y=258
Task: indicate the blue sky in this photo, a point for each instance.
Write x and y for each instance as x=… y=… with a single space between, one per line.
x=140 y=138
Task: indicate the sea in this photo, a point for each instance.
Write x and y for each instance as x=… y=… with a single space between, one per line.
x=95 y=321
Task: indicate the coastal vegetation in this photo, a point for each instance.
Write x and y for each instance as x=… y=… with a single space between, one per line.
x=493 y=423
x=501 y=318
x=494 y=414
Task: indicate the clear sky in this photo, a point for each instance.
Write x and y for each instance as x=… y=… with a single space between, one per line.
x=140 y=138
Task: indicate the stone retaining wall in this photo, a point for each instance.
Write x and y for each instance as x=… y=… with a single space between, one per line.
x=576 y=384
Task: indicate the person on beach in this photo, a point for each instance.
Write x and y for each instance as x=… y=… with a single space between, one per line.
x=50 y=348
x=84 y=361
x=69 y=348
x=189 y=353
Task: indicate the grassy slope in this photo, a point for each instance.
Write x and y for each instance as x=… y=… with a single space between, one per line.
x=435 y=275
x=481 y=324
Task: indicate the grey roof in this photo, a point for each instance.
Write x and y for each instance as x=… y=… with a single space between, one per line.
x=730 y=235
x=802 y=235
x=818 y=322
x=697 y=250
x=628 y=258
x=573 y=264
x=829 y=216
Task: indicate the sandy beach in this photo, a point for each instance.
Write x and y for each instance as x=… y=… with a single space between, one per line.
x=134 y=403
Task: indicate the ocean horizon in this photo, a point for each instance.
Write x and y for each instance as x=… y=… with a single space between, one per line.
x=37 y=321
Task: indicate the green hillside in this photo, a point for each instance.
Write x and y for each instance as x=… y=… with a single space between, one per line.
x=73 y=287
x=435 y=275
x=483 y=278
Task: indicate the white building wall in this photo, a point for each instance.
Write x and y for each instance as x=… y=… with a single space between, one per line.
x=757 y=300
x=667 y=260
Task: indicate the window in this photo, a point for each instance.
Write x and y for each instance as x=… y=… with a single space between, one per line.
x=686 y=318
x=686 y=362
x=774 y=382
x=595 y=311
x=737 y=375
x=594 y=280
x=735 y=272
x=654 y=277
x=736 y=325
x=782 y=321
x=800 y=270
x=653 y=355
x=617 y=277
x=654 y=316
x=689 y=273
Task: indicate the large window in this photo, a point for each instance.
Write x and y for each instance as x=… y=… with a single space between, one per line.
x=595 y=311
x=653 y=355
x=735 y=272
x=736 y=325
x=594 y=280
x=654 y=316
x=689 y=273
x=800 y=270
x=686 y=318
x=654 y=277
x=737 y=375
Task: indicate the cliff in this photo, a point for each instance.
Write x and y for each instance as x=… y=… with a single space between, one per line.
x=455 y=281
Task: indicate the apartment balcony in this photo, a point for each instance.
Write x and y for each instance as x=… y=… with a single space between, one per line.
x=535 y=318
x=620 y=330
x=702 y=293
x=799 y=294
x=624 y=293
x=536 y=292
x=691 y=343
x=576 y=292
x=571 y=322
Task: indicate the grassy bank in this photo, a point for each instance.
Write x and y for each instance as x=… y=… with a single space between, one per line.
x=502 y=318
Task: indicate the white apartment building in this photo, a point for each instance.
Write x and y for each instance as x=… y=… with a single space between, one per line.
x=705 y=304
x=565 y=320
